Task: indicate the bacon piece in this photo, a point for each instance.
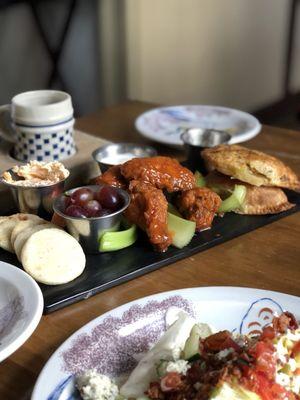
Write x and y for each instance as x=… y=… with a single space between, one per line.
x=220 y=341
x=154 y=392
x=284 y=322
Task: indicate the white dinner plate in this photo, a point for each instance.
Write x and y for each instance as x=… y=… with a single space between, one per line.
x=166 y=124
x=21 y=308
x=114 y=341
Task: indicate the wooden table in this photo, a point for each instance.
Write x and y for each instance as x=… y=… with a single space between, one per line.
x=268 y=258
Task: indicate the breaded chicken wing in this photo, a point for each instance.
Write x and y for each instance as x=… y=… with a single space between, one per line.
x=148 y=210
x=112 y=177
x=161 y=172
x=199 y=205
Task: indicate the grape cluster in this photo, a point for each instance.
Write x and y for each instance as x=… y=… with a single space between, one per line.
x=87 y=204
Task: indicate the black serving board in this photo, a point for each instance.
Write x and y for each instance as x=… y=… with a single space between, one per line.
x=110 y=269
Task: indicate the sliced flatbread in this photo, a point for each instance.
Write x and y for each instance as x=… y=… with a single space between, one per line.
x=6 y=227
x=53 y=257
x=25 y=234
x=21 y=225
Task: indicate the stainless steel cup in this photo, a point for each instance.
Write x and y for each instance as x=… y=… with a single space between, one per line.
x=197 y=139
x=88 y=231
x=35 y=200
x=117 y=153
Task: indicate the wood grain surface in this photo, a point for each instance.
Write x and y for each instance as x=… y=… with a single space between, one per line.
x=268 y=258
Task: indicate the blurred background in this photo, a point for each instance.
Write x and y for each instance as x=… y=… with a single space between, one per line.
x=236 y=53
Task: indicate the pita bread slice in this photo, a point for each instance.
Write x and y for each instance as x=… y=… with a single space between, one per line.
x=25 y=234
x=21 y=225
x=53 y=257
x=6 y=227
x=258 y=201
x=250 y=166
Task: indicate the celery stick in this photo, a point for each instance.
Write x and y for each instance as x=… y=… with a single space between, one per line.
x=181 y=230
x=112 y=241
x=200 y=180
x=173 y=210
x=234 y=201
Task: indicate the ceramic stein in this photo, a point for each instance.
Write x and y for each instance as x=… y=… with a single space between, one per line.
x=40 y=125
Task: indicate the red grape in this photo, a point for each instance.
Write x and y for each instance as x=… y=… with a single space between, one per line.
x=75 y=211
x=81 y=196
x=67 y=201
x=109 y=197
x=92 y=207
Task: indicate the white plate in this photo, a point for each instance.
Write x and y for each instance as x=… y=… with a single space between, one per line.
x=112 y=342
x=21 y=308
x=166 y=124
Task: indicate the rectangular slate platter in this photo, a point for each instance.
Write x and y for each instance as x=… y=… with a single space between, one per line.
x=106 y=270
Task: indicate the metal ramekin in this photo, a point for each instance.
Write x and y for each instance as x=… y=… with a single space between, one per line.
x=114 y=150
x=35 y=199
x=88 y=231
x=197 y=139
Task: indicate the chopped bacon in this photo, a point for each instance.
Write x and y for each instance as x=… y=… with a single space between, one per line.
x=154 y=392
x=251 y=365
x=284 y=322
x=220 y=341
x=293 y=324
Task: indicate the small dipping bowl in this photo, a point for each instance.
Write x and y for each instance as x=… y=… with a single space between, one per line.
x=88 y=231
x=118 y=153
x=197 y=139
x=36 y=200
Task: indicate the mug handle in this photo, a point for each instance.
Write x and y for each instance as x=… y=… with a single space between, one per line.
x=6 y=132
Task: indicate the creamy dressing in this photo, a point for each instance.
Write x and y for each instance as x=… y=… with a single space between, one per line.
x=117 y=159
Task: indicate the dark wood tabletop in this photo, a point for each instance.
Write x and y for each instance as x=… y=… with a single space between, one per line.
x=267 y=258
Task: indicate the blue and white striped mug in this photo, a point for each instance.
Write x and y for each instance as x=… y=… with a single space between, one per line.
x=41 y=125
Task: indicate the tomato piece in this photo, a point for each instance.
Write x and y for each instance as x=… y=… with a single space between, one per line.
x=265 y=361
x=171 y=382
x=265 y=388
x=268 y=333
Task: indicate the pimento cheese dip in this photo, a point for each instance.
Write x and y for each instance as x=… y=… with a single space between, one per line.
x=36 y=173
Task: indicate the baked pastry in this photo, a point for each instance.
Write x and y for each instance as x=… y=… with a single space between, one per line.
x=259 y=200
x=250 y=166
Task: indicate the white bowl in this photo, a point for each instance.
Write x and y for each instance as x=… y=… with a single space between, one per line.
x=21 y=308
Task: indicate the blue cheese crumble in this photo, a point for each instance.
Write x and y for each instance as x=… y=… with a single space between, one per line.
x=95 y=386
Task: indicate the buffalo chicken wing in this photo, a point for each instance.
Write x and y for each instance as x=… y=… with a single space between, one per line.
x=112 y=177
x=161 y=172
x=148 y=209
x=199 y=205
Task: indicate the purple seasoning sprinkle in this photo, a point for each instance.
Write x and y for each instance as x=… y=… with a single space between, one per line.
x=9 y=315
x=112 y=353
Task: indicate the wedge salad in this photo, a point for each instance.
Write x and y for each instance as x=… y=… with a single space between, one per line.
x=191 y=361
